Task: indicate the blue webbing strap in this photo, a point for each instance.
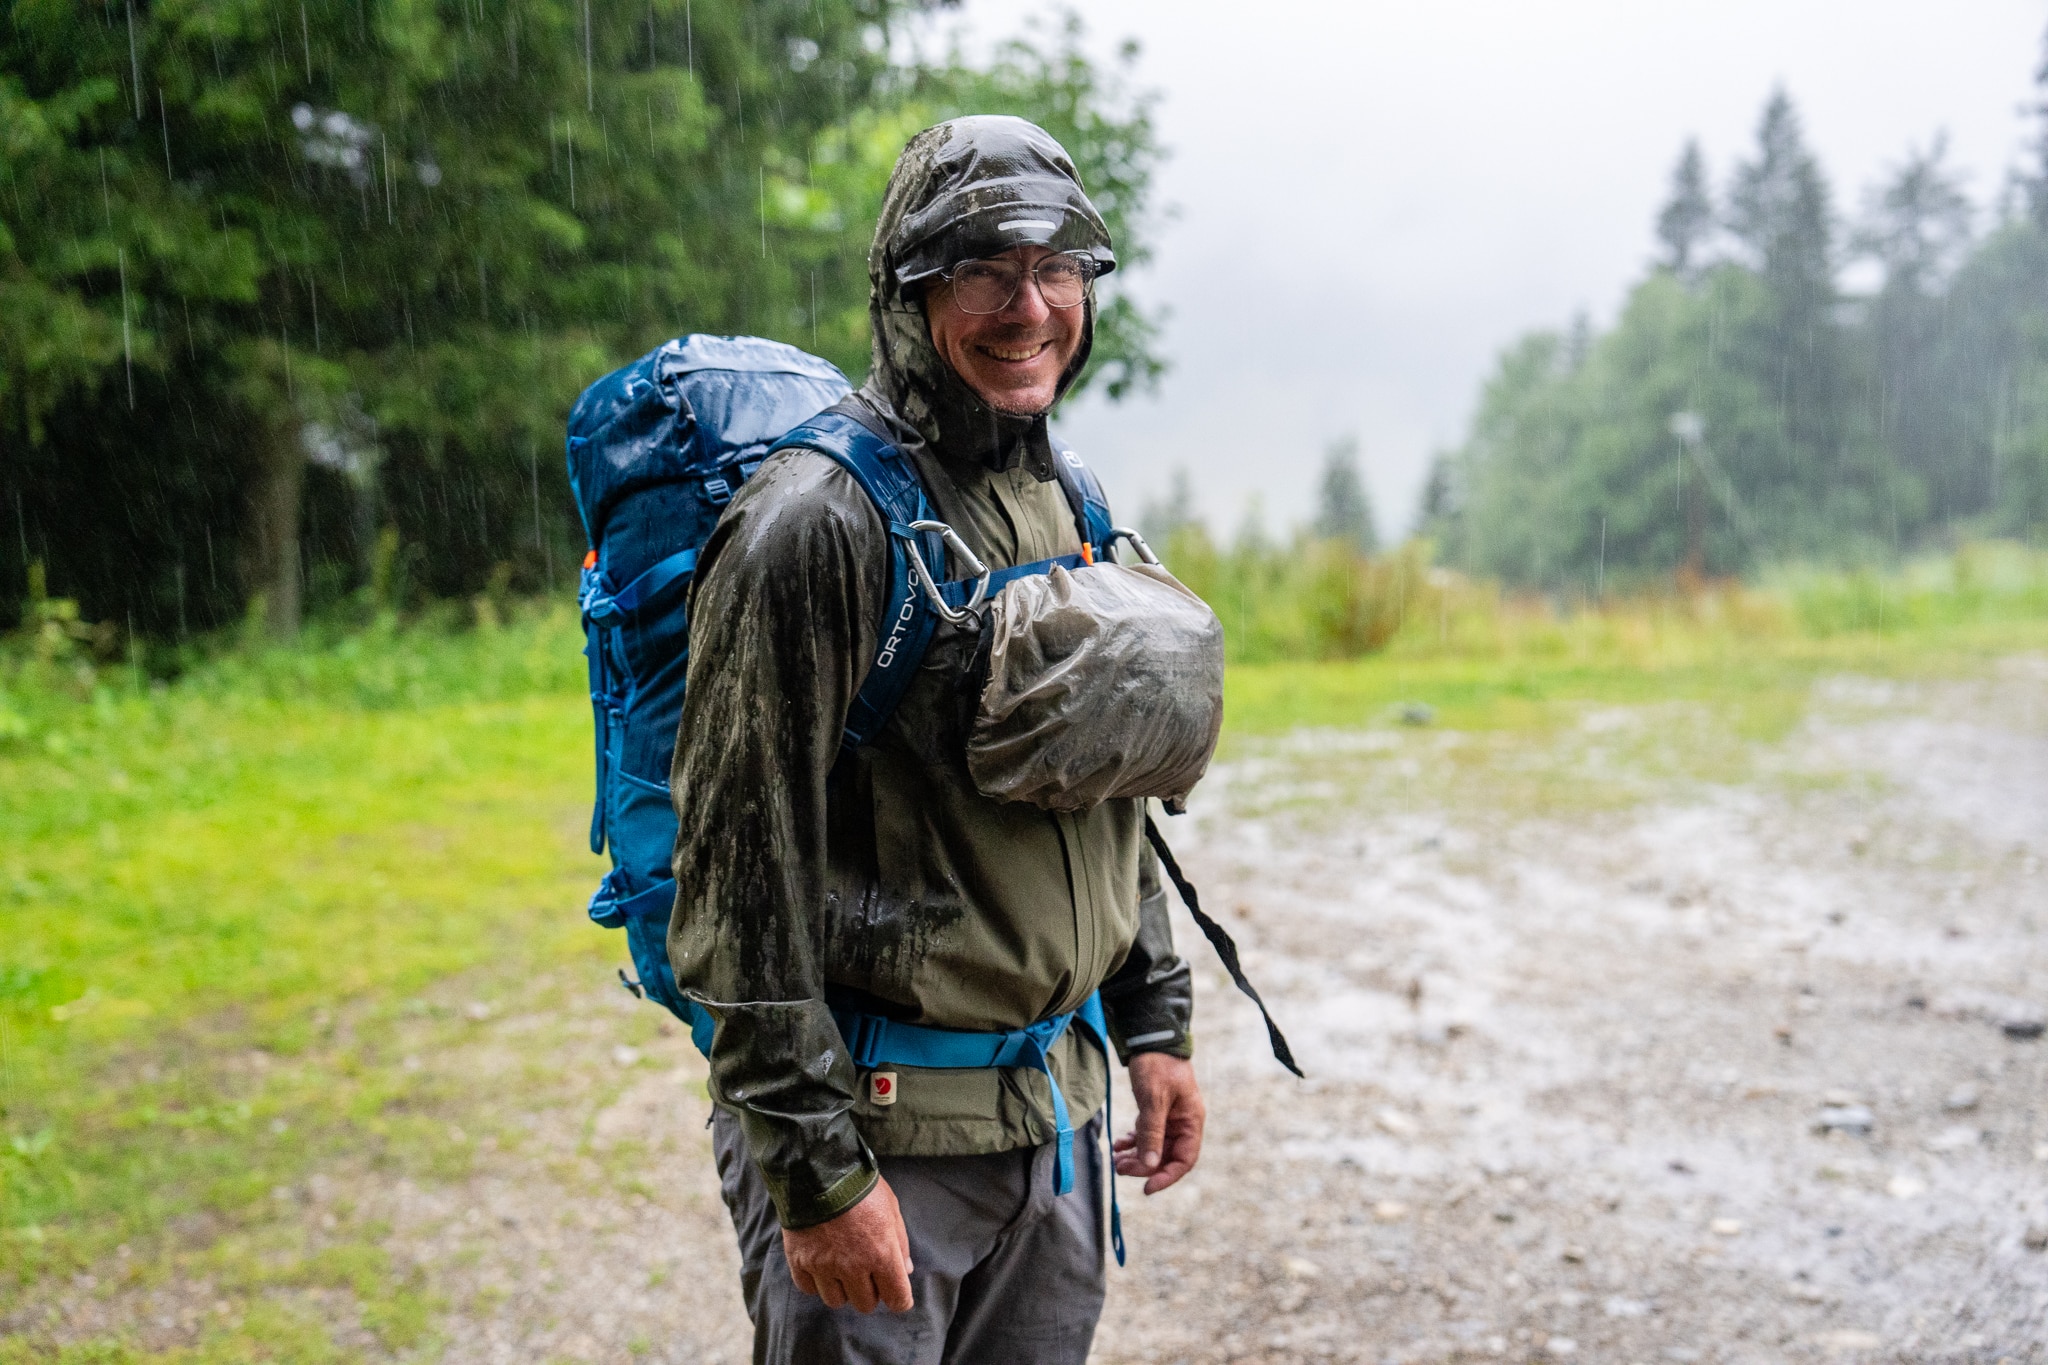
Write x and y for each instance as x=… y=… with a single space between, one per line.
x=957 y=591
x=1084 y=495
x=650 y=585
x=609 y=910
x=907 y=620
x=872 y=1041
x=600 y=704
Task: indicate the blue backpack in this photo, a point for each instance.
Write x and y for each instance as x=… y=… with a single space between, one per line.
x=656 y=450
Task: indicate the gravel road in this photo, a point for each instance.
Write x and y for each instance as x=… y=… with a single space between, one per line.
x=1609 y=1061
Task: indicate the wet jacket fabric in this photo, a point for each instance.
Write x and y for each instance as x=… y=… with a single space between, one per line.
x=881 y=879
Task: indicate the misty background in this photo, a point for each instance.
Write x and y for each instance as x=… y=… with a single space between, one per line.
x=1364 y=205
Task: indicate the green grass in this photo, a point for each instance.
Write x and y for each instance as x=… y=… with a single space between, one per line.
x=232 y=908
x=220 y=904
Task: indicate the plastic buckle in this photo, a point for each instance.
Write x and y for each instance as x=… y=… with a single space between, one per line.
x=717 y=490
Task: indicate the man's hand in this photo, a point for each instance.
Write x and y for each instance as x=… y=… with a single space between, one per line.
x=861 y=1257
x=1168 y=1139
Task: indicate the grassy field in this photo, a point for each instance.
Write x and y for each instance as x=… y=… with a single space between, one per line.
x=237 y=910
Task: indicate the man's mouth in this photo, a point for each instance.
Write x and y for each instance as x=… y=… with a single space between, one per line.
x=1014 y=355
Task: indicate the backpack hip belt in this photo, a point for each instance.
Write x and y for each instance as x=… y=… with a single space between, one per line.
x=873 y=1040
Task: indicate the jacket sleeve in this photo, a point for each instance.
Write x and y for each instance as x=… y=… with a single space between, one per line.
x=1149 y=1001
x=783 y=624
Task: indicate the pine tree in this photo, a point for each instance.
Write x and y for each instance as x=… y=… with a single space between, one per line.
x=1918 y=223
x=1800 y=468
x=1779 y=208
x=1343 y=506
x=1687 y=220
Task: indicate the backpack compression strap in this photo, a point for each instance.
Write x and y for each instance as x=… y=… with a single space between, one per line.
x=1219 y=939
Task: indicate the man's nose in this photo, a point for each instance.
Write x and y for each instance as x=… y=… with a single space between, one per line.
x=1028 y=307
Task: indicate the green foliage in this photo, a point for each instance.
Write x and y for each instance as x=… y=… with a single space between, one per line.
x=1315 y=598
x=1742 y=414
x=395 y=240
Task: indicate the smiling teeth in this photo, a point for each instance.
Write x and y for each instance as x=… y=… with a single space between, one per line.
x=1001 y=354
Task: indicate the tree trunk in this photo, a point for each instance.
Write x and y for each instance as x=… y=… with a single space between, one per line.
x=270 y=560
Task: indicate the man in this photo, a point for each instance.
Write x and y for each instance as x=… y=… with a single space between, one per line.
x=880 y=880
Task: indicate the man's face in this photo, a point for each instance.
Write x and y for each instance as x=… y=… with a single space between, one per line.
x=1014 y=358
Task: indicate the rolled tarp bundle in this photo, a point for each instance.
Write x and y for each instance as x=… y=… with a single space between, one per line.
x=1106 y=681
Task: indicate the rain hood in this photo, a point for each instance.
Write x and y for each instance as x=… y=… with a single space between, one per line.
x=968 y=188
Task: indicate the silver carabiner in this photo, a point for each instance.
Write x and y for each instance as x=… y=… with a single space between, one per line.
x=1117 y=533
x=950 y=615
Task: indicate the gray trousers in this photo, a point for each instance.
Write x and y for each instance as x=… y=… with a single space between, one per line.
x=1007 y=1273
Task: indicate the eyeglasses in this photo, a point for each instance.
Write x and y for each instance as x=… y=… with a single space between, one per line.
x=982 y=287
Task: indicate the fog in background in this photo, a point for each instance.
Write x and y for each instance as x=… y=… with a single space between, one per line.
x=1369 y=201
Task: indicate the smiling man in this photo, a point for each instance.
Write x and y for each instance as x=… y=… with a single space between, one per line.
x=879 y=883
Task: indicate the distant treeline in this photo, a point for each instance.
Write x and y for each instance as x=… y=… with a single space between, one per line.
x=282 y=284
x=1746 y=411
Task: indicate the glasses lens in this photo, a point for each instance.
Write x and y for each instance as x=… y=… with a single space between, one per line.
x=985 y=286
x=1063 y=280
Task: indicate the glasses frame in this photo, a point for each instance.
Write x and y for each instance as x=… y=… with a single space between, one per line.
x=1091 y=269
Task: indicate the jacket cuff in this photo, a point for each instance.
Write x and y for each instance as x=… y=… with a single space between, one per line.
x=798 y=1212
x=1150 y=1023
x=781 y=1068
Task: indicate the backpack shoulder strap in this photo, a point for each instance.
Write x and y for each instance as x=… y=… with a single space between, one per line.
x=1084 y=496
x=842 y=434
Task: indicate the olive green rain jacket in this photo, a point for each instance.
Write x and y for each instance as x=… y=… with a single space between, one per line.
x=881 y=879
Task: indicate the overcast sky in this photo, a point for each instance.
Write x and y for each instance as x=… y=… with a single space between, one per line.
x=1370 y=199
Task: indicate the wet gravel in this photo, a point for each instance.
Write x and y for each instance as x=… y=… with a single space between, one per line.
x=1729 y=1071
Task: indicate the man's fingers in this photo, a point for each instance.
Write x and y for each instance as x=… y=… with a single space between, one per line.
x=895 y=1287
x=1168 y=1175
x=804 y=1283
x=861 y=1293
x=1128 y=1162
x=830 y=1291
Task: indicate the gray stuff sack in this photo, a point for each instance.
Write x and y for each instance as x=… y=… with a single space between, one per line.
x=1103 y=682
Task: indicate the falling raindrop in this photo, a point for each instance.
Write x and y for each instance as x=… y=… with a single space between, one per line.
x=134 y=62
x=106 y=199
x=165 y=119
x=689 y=40
x=306 y=38
x=589 y=80
x=764 y=212
x=127 y=350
